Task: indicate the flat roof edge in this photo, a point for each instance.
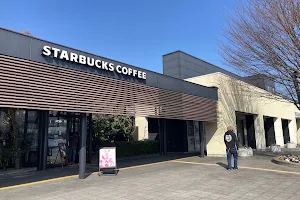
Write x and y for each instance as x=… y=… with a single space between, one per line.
x=92 y=54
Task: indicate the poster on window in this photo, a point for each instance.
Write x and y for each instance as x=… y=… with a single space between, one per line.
x=55 y=142
x=107 y=157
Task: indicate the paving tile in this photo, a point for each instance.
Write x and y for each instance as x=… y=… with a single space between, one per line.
x=170 y=181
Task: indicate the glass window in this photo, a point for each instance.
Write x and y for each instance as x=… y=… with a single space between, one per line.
x=57 y=136
x=191 y=136
x=33 y=135
x=12 y=136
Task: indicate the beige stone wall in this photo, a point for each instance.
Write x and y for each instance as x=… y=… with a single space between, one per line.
x=298 y=130
x=141 y=128
x=237 y=96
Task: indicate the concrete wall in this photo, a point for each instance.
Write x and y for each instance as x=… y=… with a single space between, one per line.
x=141 y=131
x=298 y=130
x=237 y=96
x=278 y=131
x=182 y=65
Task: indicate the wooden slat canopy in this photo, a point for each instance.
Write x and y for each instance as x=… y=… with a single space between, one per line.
x=32 y=85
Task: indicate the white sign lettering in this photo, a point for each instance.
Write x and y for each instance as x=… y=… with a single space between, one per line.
x=84 y=60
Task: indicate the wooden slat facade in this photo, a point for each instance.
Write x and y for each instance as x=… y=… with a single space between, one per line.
x=32 y=85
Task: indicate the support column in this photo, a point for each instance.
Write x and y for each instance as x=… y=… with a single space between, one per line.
x=90 y=137
x=25 y=155
x=82 y=151
x=162 y=136
x=202 y=139
x=292 y=130
x=165 y=136
x=259 y=132
x=43 y=140
x=161 y=143
x=278 y=132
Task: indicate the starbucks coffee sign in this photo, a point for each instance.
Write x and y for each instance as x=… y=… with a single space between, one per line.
x=85 y=60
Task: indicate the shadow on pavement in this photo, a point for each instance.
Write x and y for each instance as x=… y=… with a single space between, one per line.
x=222 y=164
x=17 y=177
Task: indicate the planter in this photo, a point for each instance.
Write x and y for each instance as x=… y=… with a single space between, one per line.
x=245 y=152
x=287 y=160
x=291 y=145
x=275 y=148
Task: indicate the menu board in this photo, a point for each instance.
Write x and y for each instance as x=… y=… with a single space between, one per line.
x=107 y=157
x=55 y=142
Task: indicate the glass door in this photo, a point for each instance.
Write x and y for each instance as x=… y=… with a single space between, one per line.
x=32 y=134
x=191 y=136
x=73 y=139
x=197 y=136
x=57 y=137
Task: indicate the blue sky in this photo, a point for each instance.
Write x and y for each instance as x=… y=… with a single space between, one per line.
x=136 y=32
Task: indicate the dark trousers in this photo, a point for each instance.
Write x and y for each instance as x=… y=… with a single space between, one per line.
x=72 y=154
x=233 y=152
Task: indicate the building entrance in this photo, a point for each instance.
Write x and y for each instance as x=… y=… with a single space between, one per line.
x=269 y=131
x=285 y=129
x=245 y=130
x=64 y=138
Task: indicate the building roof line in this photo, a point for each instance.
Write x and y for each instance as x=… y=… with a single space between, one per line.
x=179 y=51
x=93 y=54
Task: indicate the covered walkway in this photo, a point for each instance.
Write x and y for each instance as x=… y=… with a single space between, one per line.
x=31 y=175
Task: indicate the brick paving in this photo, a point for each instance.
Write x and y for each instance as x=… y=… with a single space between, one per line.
x=173 y=180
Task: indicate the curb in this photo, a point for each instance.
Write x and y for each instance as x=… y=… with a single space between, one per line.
x=16 y=171
x=285 y=163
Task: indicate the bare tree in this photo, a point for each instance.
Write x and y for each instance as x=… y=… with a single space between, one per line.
x=263 y=37
x=25 y=32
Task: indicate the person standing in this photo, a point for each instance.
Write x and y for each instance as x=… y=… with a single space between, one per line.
x=73 y=147
x=230 y=140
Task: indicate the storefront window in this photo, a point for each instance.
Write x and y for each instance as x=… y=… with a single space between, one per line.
x=193 y=136
x=5 y=144
x=20 y=122
x=15 y=131
x=57 y=136
x=4 y=126
x=32 y=134
x=197 y=136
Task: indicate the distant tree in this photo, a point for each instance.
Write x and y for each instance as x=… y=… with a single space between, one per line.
x=263 y=37
x=113 y=127
x=25 y=32
x=15 y=144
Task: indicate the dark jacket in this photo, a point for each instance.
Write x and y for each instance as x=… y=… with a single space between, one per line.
x=230 y=140
x=73 y=142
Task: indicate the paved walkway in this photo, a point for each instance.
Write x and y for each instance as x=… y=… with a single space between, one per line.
x=188 y=178
x=24 y=176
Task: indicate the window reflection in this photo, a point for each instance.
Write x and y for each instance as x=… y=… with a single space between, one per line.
x=57 y=136
x=18 y=127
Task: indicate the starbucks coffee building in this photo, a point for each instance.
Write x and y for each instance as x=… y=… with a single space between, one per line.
x=56 y=89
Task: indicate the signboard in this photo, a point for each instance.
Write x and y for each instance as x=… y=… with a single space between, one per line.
x=92 y=62
x=107 y=158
